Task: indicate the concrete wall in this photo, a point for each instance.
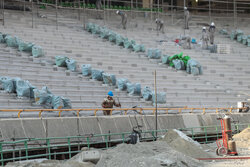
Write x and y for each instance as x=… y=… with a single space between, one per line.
x=73 y=126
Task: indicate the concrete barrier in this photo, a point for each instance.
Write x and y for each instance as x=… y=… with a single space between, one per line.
x=73 y=126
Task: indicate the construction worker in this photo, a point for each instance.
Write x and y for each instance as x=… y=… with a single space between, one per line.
x=159 y=25
x=109 y=102
x=204 y=38
x=98 y=4
x=124 y=18
x=211 y=33
x=186 y=18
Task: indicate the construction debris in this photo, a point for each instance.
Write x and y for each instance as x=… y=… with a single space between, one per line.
x=243 y=139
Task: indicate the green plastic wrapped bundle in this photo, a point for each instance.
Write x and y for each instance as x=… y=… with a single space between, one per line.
x=119 y=40
x=12 y=41
x=25 y=46
x=127 y=44
x=104 y=33
x=37 y=51
x=112 y=36
x=61 y=61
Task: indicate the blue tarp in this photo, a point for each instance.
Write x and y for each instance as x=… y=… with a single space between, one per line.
x=134 y=89
x=97 y=74
x=71 y=64
x=61 y=61
x=179 y=64
x=122 y=83
x=109 y=79
x=193 y=63
x=161 y=97
x=37 y=51
x=147 y=93
x=86 y=69
x=165 y=59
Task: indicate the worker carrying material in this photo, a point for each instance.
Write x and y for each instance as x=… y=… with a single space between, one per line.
x=109 y=102
x=159 y=25
x=123 y=17
x=211 y=33
x=204 y=38
x=186 y=18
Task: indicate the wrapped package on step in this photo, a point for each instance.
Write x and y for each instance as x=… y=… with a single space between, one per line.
x=71 y=64
x=24 y=89
x=37 y=51
x=179 y=64
x=161 y=97
x=86 y=69
x=97 y=74
x=109 y=79
x=165 y=59
x=122 y=83
x=191 y=64
x=147 y=93
x=134 y=89
x=61 y=61
x=25 y=46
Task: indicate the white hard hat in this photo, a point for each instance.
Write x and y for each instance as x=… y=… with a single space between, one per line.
x=117 y=12
x=212 y=24
x=203 y=28
x=185 y=8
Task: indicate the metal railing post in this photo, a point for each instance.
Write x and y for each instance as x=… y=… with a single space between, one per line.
x=48 y=147
x=1 y=150
x=69 y=147
x=26 y=150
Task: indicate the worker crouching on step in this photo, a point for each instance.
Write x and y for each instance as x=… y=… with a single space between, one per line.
x=123 y=17
x=109 y=102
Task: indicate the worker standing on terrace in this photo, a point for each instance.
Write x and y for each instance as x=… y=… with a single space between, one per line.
x=211 y=33
x=204 y=38
x=186 y=18
x=109 y=102
x=159 y=25
x=98 y=5
x=124 y=18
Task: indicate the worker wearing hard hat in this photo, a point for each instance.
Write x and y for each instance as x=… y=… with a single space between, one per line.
x=211 y=33
x=124 y=18
x=109 y=102
x=186 y=18
x=204 y=38
x=159 y=25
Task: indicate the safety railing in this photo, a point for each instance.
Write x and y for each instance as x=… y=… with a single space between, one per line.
x=53 y=147
x=125 y=111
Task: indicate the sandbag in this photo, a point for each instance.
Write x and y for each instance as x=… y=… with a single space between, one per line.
x=122 y=83
x=43 y=96
x=57 y=102
x=119 y=40
x=134 y=89
x=147 y=93
x=161 y=97
x=165 y=59
x=97 y=74
x=193 y=63
x=61 y=61
x=109 y=79
x=71 y=64
x=24 y=89
x=66 y=103
x=37 y=51
x=25 y=46
x=86 y=69
x=11 y=41
x=8 y=84
x=179 y=64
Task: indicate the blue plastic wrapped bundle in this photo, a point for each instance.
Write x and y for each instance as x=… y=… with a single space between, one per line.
x=147 y=93
x=25 y=46
x=195 y=71
x=244 y=39
x=165 y=59
x=122 y=83
x=43 y=96
x=96 y=29
x=239 y=38
x=37 y=51
x=8 y=84
x=61 y=61
x=193 y=63
x=24 y=89
x=86 y=69
x=71 y=64
x=136 y=47
x=142 y=48
x=57 y=102
x=109 y=79
x=97 y=74
x=179 y=64
x=66 y=103
x=161 y=97
x=112 y=36
x=11 y=41
x=89 y=27
x=154 y=53
x=119 y=40
x=104 y=33
x=1 y=38
x=134 y=89
x=127 y=44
